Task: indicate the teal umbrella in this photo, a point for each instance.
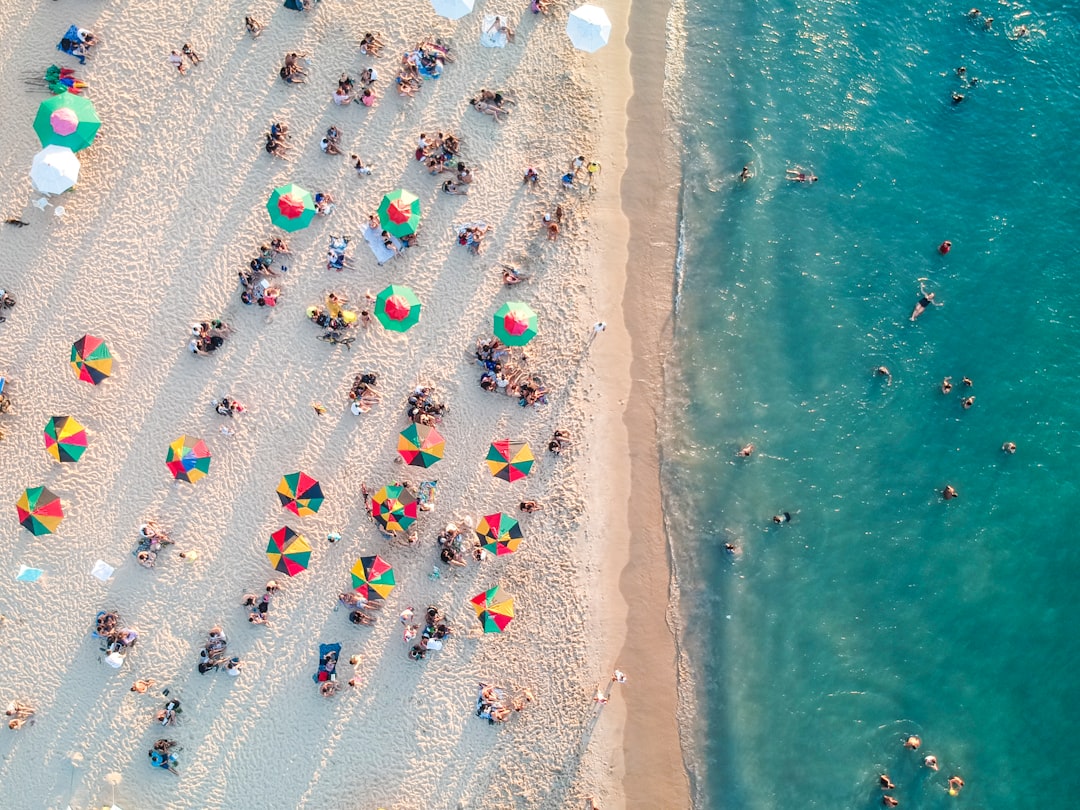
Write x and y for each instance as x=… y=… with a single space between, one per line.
x=399 y=213
x=291 y=207
x=67 y=120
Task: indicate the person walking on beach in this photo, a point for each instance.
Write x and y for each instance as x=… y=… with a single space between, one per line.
x=598 y=327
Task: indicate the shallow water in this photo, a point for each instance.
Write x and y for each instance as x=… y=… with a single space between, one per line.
x=880 y=610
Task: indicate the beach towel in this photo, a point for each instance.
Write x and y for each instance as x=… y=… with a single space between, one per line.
x=328 y=657
x=426 y=493
x=69 y=42
x=383 y=254
x=489 y=38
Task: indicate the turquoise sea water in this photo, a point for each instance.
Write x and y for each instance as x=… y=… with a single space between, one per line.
x=880 y=610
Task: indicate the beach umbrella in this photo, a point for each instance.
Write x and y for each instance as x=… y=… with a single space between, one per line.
x=421 y=445
x=40 y=511
x=515 y=323
x=399 y=212
x=300 y=493
x=54 y=170
x=588 y=28
x=91 y=359
x=493 y=609
x=452 y=9
x=499 y=533
x=291 y=207
x=373 y=577
x=397 y=308
x=188 y=459
x=510 y=460
x=288 y=551
x=67 y=120
x=65 y=438
x=395 y=508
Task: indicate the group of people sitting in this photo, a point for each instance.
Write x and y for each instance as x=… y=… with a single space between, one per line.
x=455 y=546
x=20 y=714
x=208 y=336
x=493 y=103
x=560 y=441
x=227 y=406
x=162 y=756
x=333 y=315
x=214 y=654
x=118 y=640
x=169 y=714
x=256 y=280
x=291 y=72
x=427 y=59
x=151 y=540
x=472 y=236
x=506 y=375
x=330 y=141
x=363 y=395
x=335 y=253
x=346 y=90
x=436 y=630
x=259 y=605
x=424 y=407
x=496 y=706
x=77 y=42
x=358 y=607
x=277 y=140
x=371 y=45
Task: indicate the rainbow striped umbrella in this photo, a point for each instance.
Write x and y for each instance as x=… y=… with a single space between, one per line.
x=395 y=508
x=39 y=510
x=421 y=445
x=288 y=551
x=188 y=459
x=300 y=493
x=499 y=533
x=510 y=460
x=91 y=359
x=493 y=610
x=65 y=438
x=373 y=577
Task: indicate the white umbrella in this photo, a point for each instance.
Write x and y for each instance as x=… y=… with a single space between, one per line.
x=452 y=9
x=588 y=28
x=55 y=169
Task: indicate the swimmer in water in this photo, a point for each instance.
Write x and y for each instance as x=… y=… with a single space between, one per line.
x=883 y=371
x=945 y=246
x=946 y=385
x=1009 y=447
x=931 y=762
x=783 y=517
x=955 y=785
x=745 y=174
x=889 y=801
x=746 y=451
x=885 y=783
x=1020 y=32
x=974 y=13
x=957 y=97
x=966 y=381
x=926 y=300
x=967 y=403
x=913 y=742
x=948 y=494
x=797 y=175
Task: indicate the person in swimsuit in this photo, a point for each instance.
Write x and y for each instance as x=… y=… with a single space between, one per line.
x=926 y=301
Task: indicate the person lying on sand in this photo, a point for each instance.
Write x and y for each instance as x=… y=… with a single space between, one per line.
x=371 y=45
x=487 y=108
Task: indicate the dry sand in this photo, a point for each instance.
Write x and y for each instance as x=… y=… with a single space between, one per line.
x=170 y=205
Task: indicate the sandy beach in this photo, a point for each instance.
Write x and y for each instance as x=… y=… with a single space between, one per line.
x=169 y=207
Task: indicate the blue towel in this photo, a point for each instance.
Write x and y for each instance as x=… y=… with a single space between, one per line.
x=324 y=650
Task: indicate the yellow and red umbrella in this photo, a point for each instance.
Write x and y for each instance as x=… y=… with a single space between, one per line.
x=510 y=460
x=188 y=459
x=373 y=577
x=91 y=359
x=395 y=508
x=421 y=445
x=493 y=609
x=39 y=510
x=300 y=493
x=288 y=551
x=65 y=438
x=499 y=533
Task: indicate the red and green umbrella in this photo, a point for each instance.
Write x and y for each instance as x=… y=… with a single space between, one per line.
x=373 y=577
x=300 y=493
x=65 y=438
x=397 y=308
x=421 y=445
x=188 y=459
x=395 y=508
x=515 y=323
x=510 y=460
x=91 y=359
x=291 y=207
x=399 y=213
x=67 y=120
x=493 y=610
x=499 y=533
x=288 y=551
x=40 y=511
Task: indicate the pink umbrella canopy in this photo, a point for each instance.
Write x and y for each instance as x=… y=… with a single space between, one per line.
x=64 y=121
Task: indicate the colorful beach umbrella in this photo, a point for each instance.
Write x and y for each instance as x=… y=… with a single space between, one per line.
x=188 y=459
x=452 y=9
x=397 y=308
x=300 y=493
x=288 y=551
x=395 y=508
x=421 y=445
x=91 y=359
x=65 y=438
x=291 y=207
x=493 y=610
x=40 y=511
x=399 y=212
x=54 y=170
x=67 y=120
x=515 y=323
x=499 y=533
x=510 y=460
x=588 y=28
x=373 y=577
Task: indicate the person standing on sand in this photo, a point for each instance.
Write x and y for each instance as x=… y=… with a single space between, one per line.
x=598 y=327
